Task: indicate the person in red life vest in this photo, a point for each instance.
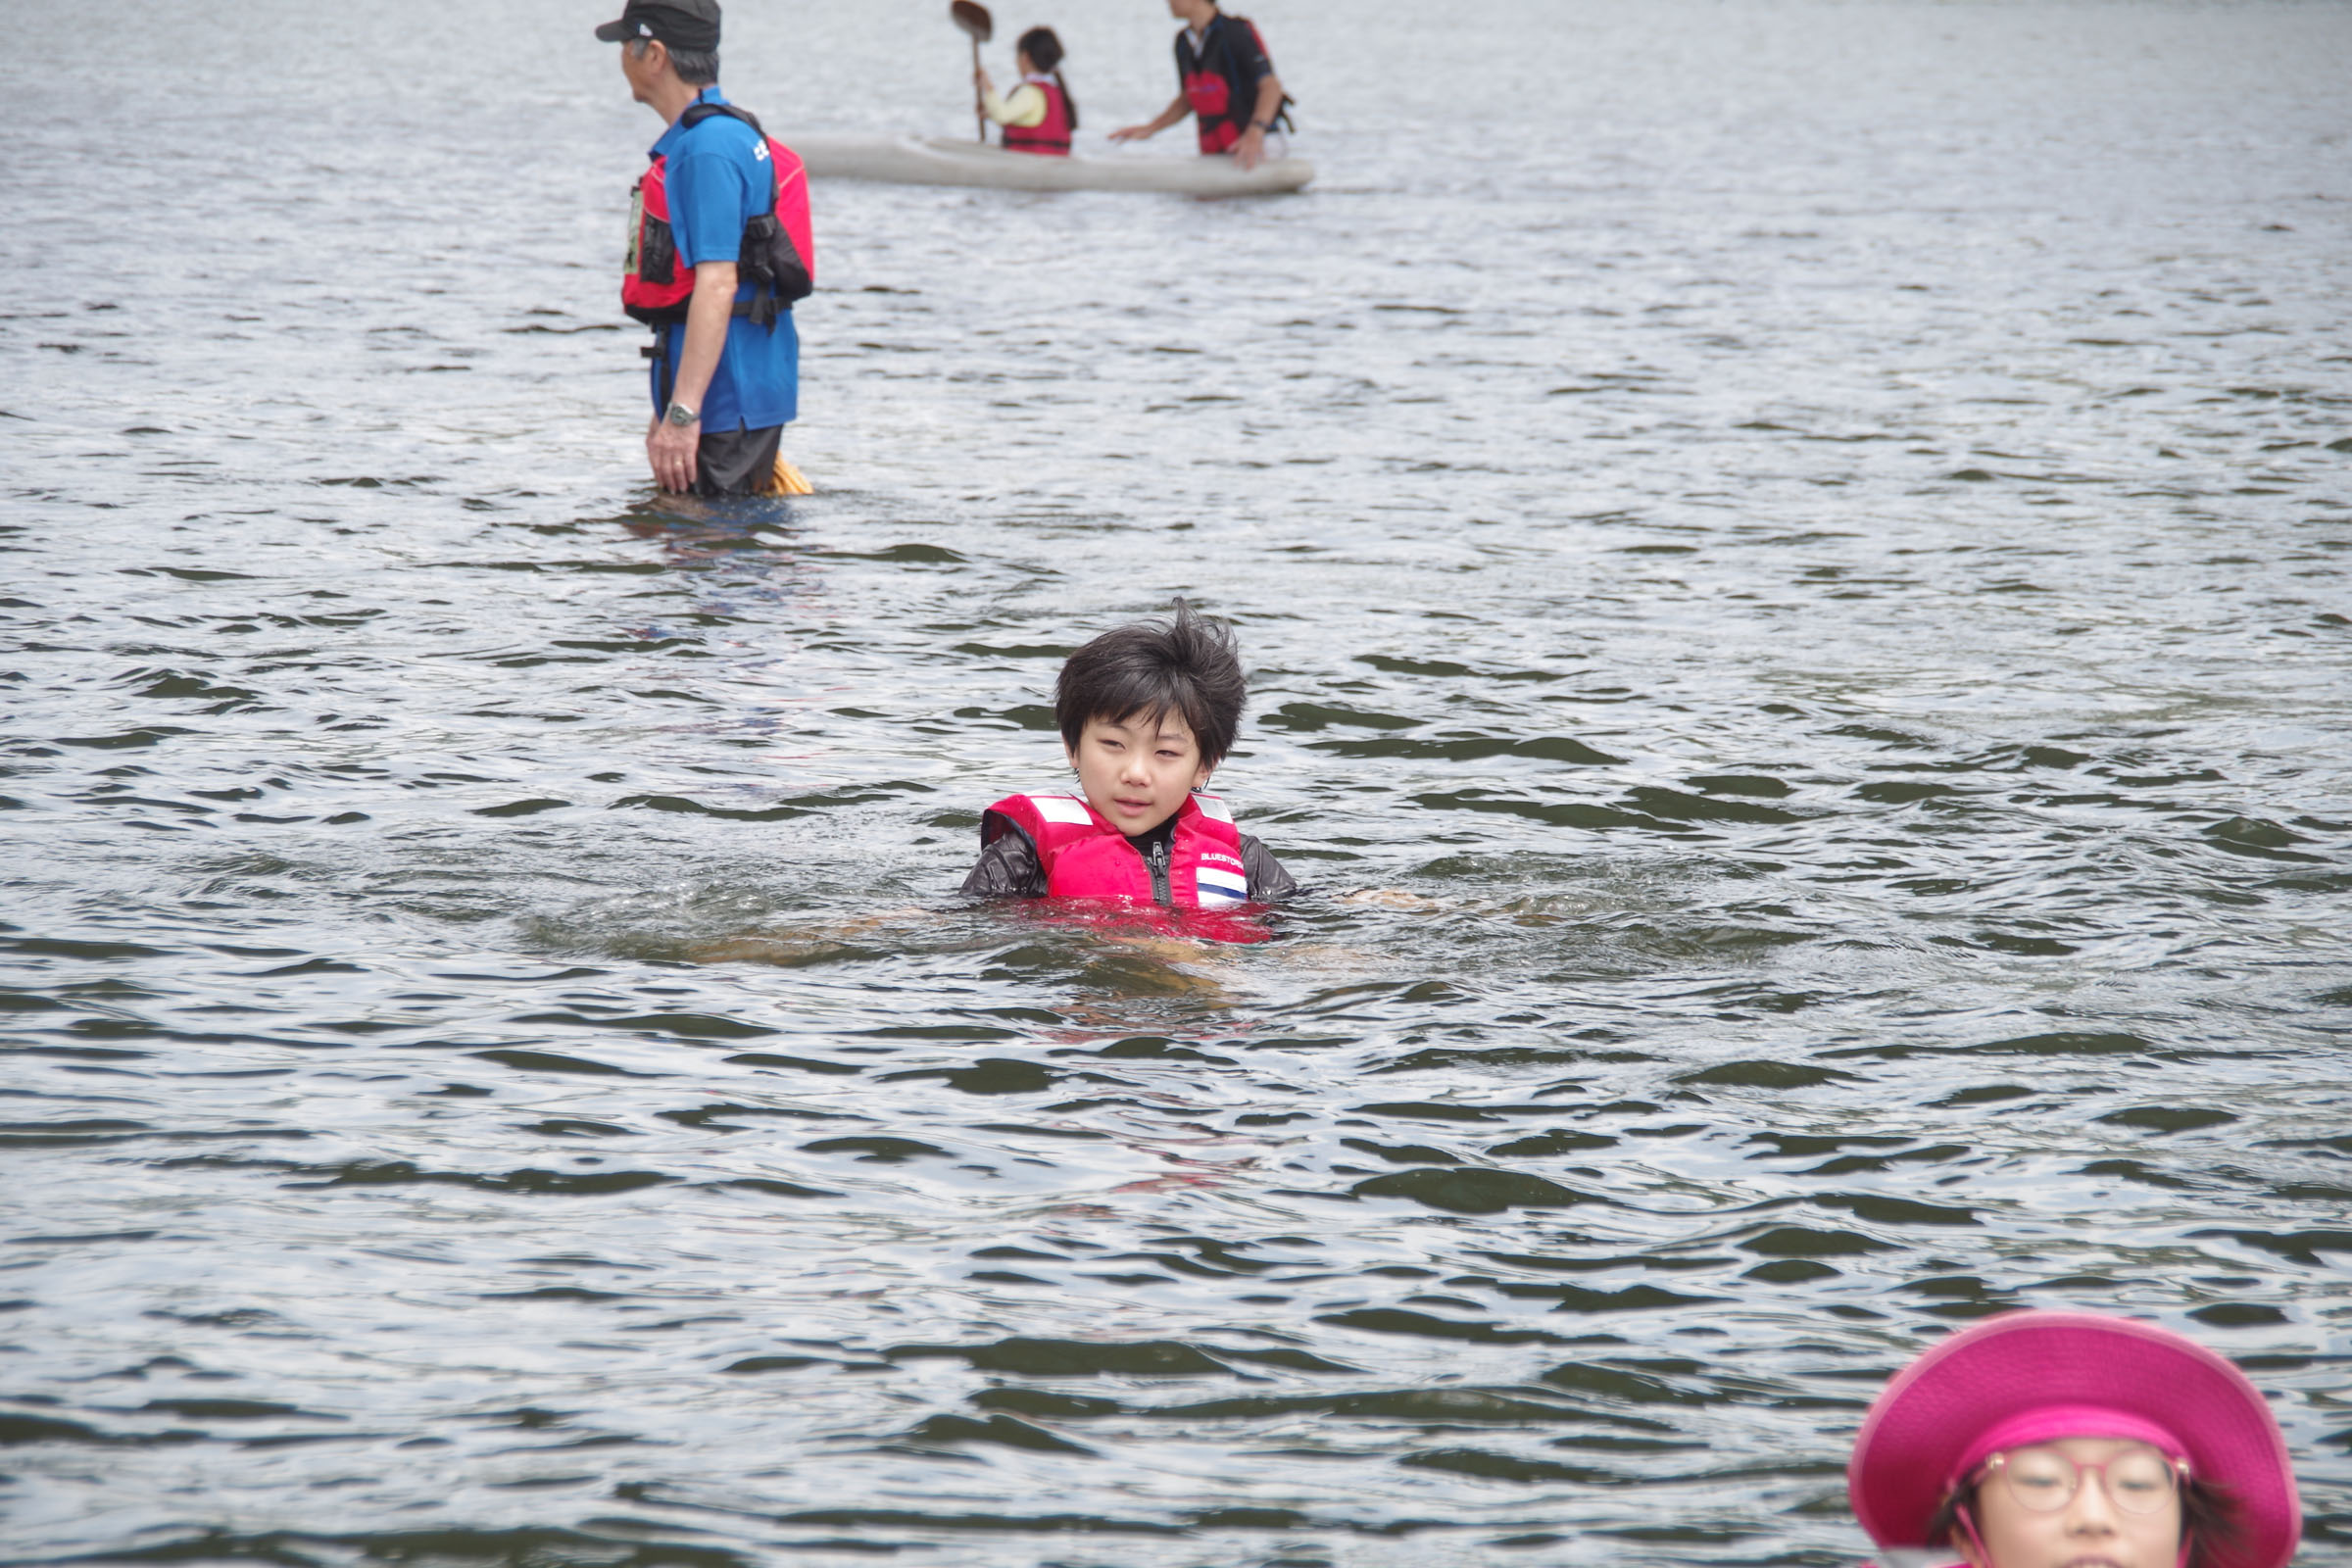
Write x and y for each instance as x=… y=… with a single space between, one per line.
x=1225 y=81
x=1038 y=115
x=718 y=249
x=1147 y=713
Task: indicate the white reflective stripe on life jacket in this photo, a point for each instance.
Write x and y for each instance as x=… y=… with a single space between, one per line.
x=1062 y=809
x=1216 y=884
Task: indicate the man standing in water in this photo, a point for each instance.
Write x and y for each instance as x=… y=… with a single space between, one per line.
x=1225 y=79
x=726 y=357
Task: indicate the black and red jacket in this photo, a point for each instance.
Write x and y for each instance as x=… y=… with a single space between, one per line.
x=1049 y=135
x=1220 y=80
x=778 y=258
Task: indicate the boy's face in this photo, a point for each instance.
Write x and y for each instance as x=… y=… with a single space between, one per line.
x=1137 y=770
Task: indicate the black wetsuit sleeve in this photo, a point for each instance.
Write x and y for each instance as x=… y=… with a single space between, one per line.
x=1269 y=883
x=1008 y=868
x=1248 y=52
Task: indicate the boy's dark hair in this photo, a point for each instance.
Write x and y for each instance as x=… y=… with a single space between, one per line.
x=1186 y=665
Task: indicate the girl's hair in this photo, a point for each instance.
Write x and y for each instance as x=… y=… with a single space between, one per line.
x=1043 y=50
x=1185 y=665
x=2208 y=1518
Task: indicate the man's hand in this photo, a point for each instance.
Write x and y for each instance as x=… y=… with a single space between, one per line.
x=1249 y=150
x=1167 y=116
x=669 y=449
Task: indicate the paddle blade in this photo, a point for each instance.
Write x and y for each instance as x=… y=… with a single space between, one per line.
x=972 y=19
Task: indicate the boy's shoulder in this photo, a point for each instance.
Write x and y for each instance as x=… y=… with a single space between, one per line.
x=1071 y=811
x=1052 y=806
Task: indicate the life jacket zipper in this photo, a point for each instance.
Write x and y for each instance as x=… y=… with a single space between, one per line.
x=1160 y=872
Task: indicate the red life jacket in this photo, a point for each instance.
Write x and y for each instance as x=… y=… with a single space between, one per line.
x=1049 y=135
x=1222 y=99
x=1084 y=857
x=1212 y=97
x=778 y=255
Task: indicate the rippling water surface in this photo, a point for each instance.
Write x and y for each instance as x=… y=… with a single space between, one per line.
x=1813 y=538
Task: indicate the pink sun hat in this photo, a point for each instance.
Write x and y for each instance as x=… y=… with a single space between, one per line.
x=2034 y=1377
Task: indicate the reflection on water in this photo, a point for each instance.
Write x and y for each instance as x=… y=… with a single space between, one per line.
x=1809 y=542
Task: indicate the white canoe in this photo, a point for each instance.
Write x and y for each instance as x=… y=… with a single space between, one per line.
x=936 y=161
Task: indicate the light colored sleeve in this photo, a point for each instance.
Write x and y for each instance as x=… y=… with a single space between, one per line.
x=1025 y=108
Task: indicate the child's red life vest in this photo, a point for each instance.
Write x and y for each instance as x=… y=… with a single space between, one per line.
x=778 y=255
x=1084 y=857
x=1049 y=135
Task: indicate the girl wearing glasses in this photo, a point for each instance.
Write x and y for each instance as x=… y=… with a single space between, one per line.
x=2066 y=1440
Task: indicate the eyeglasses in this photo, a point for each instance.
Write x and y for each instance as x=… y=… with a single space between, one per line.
x=2045 y=1481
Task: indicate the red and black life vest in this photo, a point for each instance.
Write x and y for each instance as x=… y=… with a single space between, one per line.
x=1084 y=857
x=1049 y=135
x=1222 y=94
x=778 y=255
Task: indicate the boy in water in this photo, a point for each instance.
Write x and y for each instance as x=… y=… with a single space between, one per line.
x=1224 y=79
x=1147 y=713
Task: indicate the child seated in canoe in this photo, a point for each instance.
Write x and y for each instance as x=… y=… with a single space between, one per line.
x=1147 y=713
x=1039 y=115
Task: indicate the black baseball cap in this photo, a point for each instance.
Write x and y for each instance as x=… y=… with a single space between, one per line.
x=679 y=24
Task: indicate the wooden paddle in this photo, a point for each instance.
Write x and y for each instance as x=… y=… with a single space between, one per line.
x=973 y=18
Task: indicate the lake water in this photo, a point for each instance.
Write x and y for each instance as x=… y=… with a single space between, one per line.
x=1816 y=538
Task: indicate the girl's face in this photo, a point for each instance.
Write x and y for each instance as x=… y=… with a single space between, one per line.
x=1022 y=63
x=2124 y=1513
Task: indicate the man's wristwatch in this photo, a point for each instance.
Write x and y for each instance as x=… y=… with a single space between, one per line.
x=682 y=415
x=1261 y=124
